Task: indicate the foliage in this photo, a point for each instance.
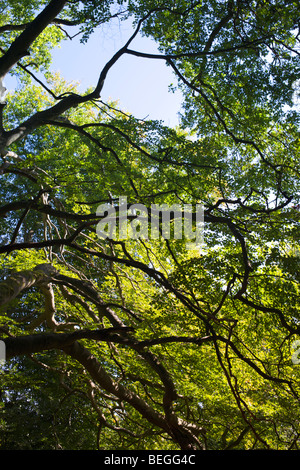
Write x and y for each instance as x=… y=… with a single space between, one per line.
x=206 y=363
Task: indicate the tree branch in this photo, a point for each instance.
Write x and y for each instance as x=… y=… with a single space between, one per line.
x=30 y=344
x=19 y=48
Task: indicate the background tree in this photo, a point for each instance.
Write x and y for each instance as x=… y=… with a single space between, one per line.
x=148 y=344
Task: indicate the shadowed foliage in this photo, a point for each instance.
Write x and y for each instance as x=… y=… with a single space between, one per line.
x=138 y=342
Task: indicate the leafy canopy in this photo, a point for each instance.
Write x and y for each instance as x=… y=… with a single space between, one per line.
x=151 y=344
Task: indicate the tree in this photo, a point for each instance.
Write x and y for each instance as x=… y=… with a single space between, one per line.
x=142 y=343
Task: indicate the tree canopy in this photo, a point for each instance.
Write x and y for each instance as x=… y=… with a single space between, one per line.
x=139 y=342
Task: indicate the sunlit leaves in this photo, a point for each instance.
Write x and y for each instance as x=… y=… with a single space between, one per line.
x=217 y=321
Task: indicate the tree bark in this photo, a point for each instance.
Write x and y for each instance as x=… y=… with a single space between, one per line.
x=16 y=283
x=30 y=344
x=19 y=48
x=178 y=430
x=41 y=276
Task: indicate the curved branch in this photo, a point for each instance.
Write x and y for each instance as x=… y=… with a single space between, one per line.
x=72 y=100
x=30 y=344
x=19 y=48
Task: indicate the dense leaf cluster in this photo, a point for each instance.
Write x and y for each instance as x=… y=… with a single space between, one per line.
x=151 y=343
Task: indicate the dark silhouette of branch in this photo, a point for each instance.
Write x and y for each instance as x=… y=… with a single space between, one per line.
x=19 y=48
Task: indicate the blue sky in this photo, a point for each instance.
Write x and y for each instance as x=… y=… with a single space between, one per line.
x=140 y=85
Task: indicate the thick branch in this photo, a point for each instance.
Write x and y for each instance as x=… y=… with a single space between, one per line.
x=16 y=283
x=180 y=432
x=30 y=344
x=20 y=46
x=70 y=101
